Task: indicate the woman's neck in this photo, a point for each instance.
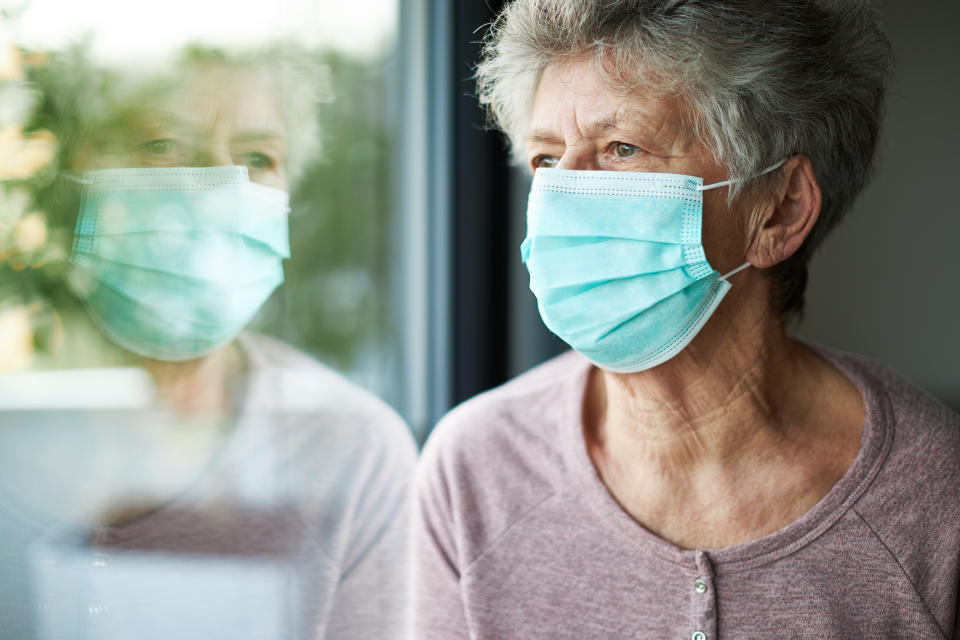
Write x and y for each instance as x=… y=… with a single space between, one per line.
x=746 y=428
x=201 y=386
x=707 y=401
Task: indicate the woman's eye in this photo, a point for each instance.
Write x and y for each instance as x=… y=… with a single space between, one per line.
x=624 y=150
x=160 y=146
x=545 y=162
x=257 y=160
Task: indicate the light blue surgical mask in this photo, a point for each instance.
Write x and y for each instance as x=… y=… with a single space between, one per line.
x=173 y=262
x=617 y=264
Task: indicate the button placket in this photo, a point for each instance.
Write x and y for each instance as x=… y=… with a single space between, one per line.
x=703 y=603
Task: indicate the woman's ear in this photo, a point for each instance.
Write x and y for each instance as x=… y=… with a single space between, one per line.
x=786 y=223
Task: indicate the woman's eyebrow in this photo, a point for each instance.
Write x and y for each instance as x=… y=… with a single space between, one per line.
x=199 y=129
x=630 y=121
x=165 y=118
x=598 y=126
x=665 y=133
x=544 y=135
x=604 y=124
x=257 y=135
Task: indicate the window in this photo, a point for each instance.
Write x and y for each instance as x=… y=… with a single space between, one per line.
x=201 y=202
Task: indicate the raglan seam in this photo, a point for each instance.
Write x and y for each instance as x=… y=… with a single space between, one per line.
x=496 y=539
x=903 y=570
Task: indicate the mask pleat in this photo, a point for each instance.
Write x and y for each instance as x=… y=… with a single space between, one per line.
x=169 y=336
x=648 y=336
x=617 y=264
x=637 y=218
x=581 y=305
x=130 y=208
x=570 y=263
x=226 y=259
x=195 y=302
x=174 y=262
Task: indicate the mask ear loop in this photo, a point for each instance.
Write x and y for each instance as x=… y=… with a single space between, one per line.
x=735 y=271
x=727 y=183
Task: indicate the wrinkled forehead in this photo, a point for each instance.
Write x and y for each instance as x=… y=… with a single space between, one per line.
x=600 y=99
x=241 y=98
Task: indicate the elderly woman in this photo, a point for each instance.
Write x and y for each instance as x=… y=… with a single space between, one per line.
x=690 y=470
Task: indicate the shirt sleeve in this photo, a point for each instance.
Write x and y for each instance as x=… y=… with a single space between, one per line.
x=372 y=597
x=438 y=606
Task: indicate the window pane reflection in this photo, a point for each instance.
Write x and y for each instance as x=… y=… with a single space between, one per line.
x=183 y=218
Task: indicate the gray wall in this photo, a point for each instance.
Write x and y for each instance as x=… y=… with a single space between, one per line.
x=886 y=283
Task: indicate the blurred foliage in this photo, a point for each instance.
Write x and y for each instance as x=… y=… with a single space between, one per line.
x=332 y=303
x=33 y=242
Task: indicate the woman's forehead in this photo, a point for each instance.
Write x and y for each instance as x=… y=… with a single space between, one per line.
x=572 y=93
x=245 y=98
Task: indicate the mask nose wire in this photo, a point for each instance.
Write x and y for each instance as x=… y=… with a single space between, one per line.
x=75 y=178
x=727 y=183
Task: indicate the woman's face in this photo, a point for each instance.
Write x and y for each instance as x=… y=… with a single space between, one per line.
x=578 y=122
x=187 y=276
x=216 y=115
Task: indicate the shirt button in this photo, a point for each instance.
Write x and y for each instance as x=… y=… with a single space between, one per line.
x=699 y=635
x=700 y=586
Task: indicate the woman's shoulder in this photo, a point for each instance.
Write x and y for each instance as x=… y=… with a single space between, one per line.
x=500 y=457
x=922 y=425
x=925 y=437
x=308 y=396
x=529 y=409
x=911 y=504
x=507 y=448
x=917 y=479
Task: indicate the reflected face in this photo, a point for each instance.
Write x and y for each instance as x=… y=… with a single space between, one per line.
x=579 y=122
x=170 y=273
x=215 y=116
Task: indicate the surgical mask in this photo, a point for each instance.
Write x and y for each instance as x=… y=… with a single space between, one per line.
x=173 y=262
x=617 y=264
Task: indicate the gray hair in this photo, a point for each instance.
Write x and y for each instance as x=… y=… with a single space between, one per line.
x=764 y=80
x=302 y=83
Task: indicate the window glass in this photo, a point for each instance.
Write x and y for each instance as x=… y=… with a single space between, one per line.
x=196 y=204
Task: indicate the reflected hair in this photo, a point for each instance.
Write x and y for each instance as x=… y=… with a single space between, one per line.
x=303 y=84
x=79 y=97
x=761 y=80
